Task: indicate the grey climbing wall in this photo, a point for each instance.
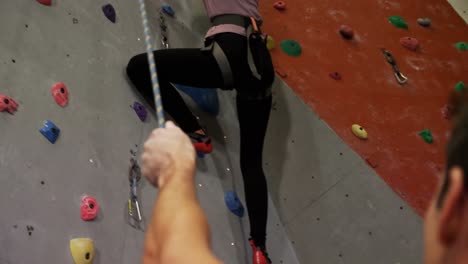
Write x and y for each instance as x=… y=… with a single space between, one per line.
x=72 y=42
x=333 y=208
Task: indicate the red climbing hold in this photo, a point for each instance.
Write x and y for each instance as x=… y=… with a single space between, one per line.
x=89 y=208
x=7 y=104
x=409 y=43
x=45 y=2
x=346 y=32
x=447 y=111
x=280 y=5
x=60 y=94
x=335 y=75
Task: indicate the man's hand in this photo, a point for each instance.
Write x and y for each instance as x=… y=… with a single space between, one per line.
x=168 y=152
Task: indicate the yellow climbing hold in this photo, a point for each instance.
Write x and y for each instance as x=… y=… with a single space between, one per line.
x=270 y=42
x=82 y=250
x=359 y=131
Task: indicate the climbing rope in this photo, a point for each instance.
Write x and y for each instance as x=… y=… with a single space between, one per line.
x=152 y=65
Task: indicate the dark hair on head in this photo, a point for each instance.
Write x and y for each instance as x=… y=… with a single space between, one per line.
x=457 y=147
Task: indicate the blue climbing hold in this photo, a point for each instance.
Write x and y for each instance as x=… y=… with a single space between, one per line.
x=233 y=203
x=205 y=98
x=50 y=131
x=167 y=9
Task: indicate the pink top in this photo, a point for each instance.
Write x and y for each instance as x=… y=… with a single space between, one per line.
x=248 y=8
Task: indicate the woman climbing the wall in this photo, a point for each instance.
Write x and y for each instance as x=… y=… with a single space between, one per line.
x=234 y=57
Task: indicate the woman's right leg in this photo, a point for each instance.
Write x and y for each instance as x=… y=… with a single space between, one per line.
x=189 y=67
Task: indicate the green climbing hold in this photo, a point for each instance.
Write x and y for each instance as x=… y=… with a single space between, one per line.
x=291 y=47
x=460 y=87
x=426 y=135
x=398 y=22
x=461 y=45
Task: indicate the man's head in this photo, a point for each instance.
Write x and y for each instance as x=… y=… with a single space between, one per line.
x=446 y=225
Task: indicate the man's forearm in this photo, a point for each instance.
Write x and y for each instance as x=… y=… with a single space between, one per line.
x=178 y=232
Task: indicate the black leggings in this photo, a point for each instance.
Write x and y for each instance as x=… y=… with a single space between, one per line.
x=193 y=67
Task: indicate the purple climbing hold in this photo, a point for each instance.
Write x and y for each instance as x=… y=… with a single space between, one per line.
x=140 y=110
x=335 y=76
x=109 y=12
x=167 y=9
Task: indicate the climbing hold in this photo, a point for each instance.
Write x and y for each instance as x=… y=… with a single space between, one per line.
x=398 y=22
x=426 y=135
x=140 y=110
x=280 y=72
x=280 y=5
x=167 y=9
x=424 y=22
x=60 y=94
x=82 y=250
x=7 y=104
x=461 y=45
x=270 y=42
x=460 y=87
x=372 y=163
x=45 y=2
x=447 y=111
x=409 y=43
x=359 y=131
x=234 y=204
x=205 y=98
x=346 y=32
x=89 y=208
x=335 y=75
x=109 y=12
x=50 y=131
x=291 y=47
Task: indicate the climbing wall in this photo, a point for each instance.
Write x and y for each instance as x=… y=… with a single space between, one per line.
x=368 y=93
x=41 y=184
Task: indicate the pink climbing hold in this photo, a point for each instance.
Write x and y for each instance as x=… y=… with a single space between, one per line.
x=89 y=208
x=60 y=94
x=45 y=2
x=280 y=5
x=335 y=76
x=409 y=43
x=7 y=104
x=346 y=32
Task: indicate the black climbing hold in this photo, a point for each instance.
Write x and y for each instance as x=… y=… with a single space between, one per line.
x=75 y=20
x=109 y=12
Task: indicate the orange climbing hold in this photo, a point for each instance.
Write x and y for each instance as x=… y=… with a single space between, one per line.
x=409 y=43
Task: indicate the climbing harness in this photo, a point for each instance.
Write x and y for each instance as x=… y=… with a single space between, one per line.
x=258 y=54
x=134 y=177
x=152 y=65
x=398 y=75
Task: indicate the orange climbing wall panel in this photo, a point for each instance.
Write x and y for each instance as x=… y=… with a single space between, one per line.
x=368 y=94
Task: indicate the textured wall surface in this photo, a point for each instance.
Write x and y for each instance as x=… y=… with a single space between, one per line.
x=327 y=205
x=368 y=93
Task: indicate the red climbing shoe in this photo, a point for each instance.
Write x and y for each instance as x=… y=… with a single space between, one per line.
x=202 y=143
x=259 y=255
